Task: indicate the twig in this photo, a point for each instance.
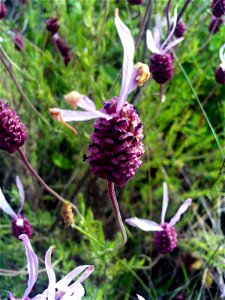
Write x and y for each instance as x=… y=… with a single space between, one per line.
x=42 y=182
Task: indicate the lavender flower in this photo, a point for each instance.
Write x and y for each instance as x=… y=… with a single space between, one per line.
x=218 y=8
x=3 y=10
x=20 y=224
x=161 y=62
x=220 y=71
x=52 y=25
x=61 y=290
x=12 y=131
x=215 y=24
x=116 y=143
x=165 y=238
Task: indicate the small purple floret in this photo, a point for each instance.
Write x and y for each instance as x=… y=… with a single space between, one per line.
x=165 y=241
x=180 y=29
x=21 y=225
x=52 y=25
x=161 y=67
x=218 y=8
x=3 y=10
x=12 y=131
x=220 y=75
x=116 y=145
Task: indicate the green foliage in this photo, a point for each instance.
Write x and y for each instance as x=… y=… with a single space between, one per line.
x=180 y=148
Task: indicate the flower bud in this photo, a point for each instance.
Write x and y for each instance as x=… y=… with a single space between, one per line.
x=161 y=67
x=220 y=75
x=21 y=225
x=67 y=214
x=218 y=8
x=63 y=49
x=12 y=131
x=116 y=144
x=180 y=29
x=52 y=25
x=3 y=10
x=165 y=241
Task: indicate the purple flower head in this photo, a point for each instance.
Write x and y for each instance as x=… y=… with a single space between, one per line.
x=215 y=24
x=61 y=290
x=52 y=25
x=12 y=131
x=165 y=237
x=116 y=143
x=20 y=223
x=3 y=10
x=135 y=2
x=180 y=29
x=220 y=71
x=161 y=62
x=18 y=41
x=218 y=8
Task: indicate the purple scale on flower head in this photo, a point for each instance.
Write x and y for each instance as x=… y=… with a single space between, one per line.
x=220 y=71
x=3 y=10
x=180 y=29
x=165 y=241
x=52 y=25
x=12 y=131
x=161 y=67
x=21 y=225
x=218 y=8
x=215 y=24
x=18 y=41
x=161 y=62
x=135 y=2
x=109 y=152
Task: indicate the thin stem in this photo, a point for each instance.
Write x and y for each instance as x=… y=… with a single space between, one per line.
x=183 y=10
x=167 y=9
x=20 y=88
x=117 y=214
x=42 y=182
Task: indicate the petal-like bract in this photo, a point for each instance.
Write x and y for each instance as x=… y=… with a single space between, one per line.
x=21 y=193
x=128 y=57
x=4 y=205
x=165 y=202
x=51 y=274
x=180 y=211
x=32 y=264
x=144 y=224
